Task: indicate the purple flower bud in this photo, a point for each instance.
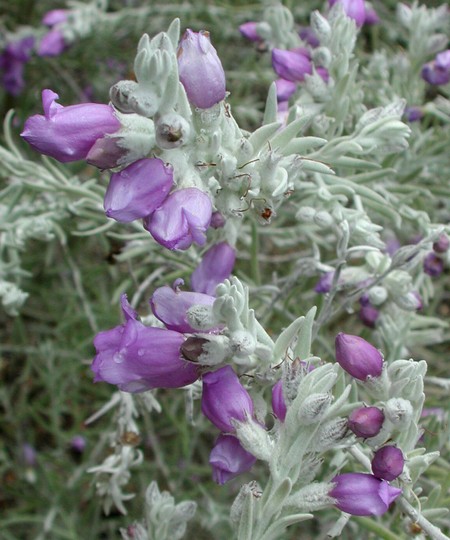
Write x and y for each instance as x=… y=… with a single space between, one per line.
x=55 y=16
x=12 y=62
x=366 y=421
x=228 y=459
x=68 y=133
x=138 y=190
x=362 y=494
x=170 y=306
x=29 y=455
x=217 y=220
x=355 y=9
x=308 y=35
x=52 y=44
x=388 y=462
x=137 y=357
x=216 y=266
x=413 y=114
x=418 y=299
x=78 y=444
x=357 y=357
x=437 y=72
x=200 y=69
x=285 y=89
x=368 y=315
x=433 y=265
x=105 y=153
x=442 y=244
x=371 y=17
x=278 y=404
x=181 y=219
x=225 y=399
x=324 y=283
x=249 y=31
x=292 y=64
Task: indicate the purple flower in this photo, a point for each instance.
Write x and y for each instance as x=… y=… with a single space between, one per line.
x=355 y=9
x=292 y=64
x=55 y=16
x=105 y=152
x=433 y=265
x=200 y=69
x=78 y=444
x=138 y=190
x=170 y=306
x=228 y=459
x=308 y=35
x=216 y=266
x=413 y=114
x=225 y=399
x=137 y=357
x=388 y=462
x=368 y=315
x=182 y=219
x=366 y=421
x=362 y=494
x=68 y=133
x=371 y=17
x=357 y=357
x=324 y=283
x=442 y=244
x=437 y=72
x=52 y=44
x=285 y=89
x=278 y=404
x=217 y=220
x=249 y=31
x=12 y=63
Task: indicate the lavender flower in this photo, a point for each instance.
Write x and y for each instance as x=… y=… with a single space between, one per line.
x=354 y=9
x=413 y=114
x=12 y=63
x=366 y=421
x=308 y=35
x=78 y=444
x=361 y=494
x=106 y=153
x=278 y=402
x=285 y=89
x=292 y=65
x=53 y=43
x=368 y=315
x=442 y=244
x=170 y=306
x=55 y=16
x=359 y=358
x=68 y=133
x=225 y=399
x=228 y=459
x=200 y=69
x=433 y=265
x=437 y=72
x=249 y=31
x=371 y=17
x=137 y=358
x=182 y=219
x=138 y=190
x=216 y=266
x=388 y=462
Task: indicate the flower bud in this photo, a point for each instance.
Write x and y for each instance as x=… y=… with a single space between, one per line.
x=138 y=190
x=181 y=219
x=250 y=31
x=228 y=459
x=52 y=44
x=330 y=434
x=285 y=89
x=200 y=69
x=362 y=494
x=442 y=244
x=368 y=315
x=437 y=72
x=278 y=403
x=216 y=266
x=366 y=421
x=313 y=408
x=225 y=399
x=388 y=462
x=399 y=412
x=293 y=64
x=433 y=265
x=120 y=94
x=172 y=131
x=355 y=9
x=357 y=357
x=68 y=133
x=78 y=444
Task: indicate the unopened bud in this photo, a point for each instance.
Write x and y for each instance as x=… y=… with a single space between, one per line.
x=313 y=408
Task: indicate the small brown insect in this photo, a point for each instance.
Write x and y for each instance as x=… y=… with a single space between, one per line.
x=266 y=213
x=415 y=528
x=130 y=438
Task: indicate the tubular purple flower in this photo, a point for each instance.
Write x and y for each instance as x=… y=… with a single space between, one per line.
x=138 y=190
x=368 y=315
x=285 y=89
x=437 y=72
x=182 y=219
x=362 y=494
x=170 y=306
x=68 y=133
x=137 y=358
x=292 y=64
x=249 y=31
x=388 y=462
x=52 y=44
x=216 y=266
x=357 y=357
x=200 y=69
x=433 y=265
x=228 y=459
x=366 y=422
x=355 y=9
x=278 y=404
x=225 y=399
